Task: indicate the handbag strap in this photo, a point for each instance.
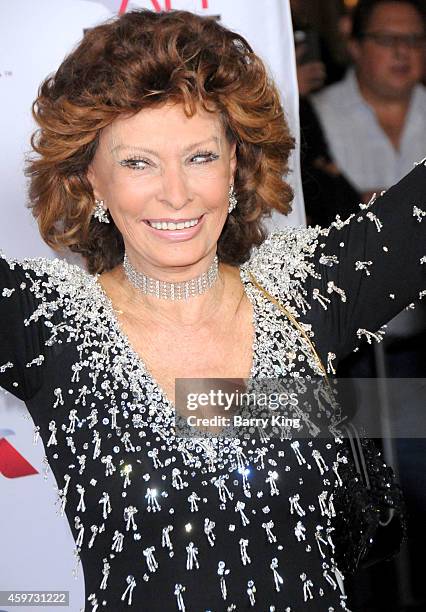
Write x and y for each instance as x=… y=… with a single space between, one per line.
x=352 y=433
x=293 y=320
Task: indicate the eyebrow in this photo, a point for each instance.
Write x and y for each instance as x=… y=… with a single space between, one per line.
x=152 y=152
x=387 y=30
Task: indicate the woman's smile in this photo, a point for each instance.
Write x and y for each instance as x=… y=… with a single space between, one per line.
x=176 y=229
x=165 y=178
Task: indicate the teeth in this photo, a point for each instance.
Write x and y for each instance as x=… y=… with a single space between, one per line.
x=162 y=225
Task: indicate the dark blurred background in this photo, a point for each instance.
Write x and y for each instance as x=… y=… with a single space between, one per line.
x=361 y=67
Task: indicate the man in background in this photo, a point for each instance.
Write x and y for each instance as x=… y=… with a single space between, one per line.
x=374 y=123
x=326 y=191
x=375 y=118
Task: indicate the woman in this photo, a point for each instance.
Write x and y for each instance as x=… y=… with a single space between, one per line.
x=157 y=121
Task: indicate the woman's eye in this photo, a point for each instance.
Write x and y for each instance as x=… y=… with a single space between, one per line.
x=204 y=157
x=134 y=164
x=140 y=164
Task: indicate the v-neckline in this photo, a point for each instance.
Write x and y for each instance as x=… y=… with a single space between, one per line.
x=137 y=359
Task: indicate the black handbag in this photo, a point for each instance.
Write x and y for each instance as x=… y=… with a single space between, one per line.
x=370 y=522
x=370 y=517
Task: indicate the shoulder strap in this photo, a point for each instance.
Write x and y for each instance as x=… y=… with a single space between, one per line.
x=291 y=318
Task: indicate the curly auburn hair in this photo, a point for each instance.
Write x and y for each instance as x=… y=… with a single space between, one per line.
x=140 y=60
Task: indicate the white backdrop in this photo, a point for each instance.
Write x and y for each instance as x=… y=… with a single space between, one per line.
x=35 y=36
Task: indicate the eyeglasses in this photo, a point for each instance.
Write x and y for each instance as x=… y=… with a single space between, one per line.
x=392 y=41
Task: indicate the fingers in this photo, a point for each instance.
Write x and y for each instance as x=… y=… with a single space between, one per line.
x=301 y=49
x=314 y=70
x=310 y=76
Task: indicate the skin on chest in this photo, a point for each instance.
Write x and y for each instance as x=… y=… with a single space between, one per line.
x=223 y=349
x=392 y=123
x=393 y=132
x=219 y=345
x=220 y=349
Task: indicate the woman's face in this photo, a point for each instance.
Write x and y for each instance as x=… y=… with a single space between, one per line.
x=160 y=167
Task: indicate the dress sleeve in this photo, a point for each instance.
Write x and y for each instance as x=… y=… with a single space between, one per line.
x=369 y=267
x=22 y=360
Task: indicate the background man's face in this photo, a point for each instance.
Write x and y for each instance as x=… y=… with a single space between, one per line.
x=390 y=67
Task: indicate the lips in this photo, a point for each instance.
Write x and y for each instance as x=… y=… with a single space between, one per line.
x=400 y=69
x=173 y=224
x=174 y=235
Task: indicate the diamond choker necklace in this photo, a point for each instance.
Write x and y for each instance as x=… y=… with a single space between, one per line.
x=172 y=291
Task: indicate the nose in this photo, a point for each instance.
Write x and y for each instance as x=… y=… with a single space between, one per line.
x=401 y=49
x=175 y=190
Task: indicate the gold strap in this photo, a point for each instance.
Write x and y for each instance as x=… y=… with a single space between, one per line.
x=292 y=320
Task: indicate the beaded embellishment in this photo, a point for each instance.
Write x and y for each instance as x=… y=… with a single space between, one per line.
x=166 y=501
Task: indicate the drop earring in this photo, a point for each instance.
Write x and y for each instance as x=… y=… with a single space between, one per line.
x=100 y=212
x=232 y=199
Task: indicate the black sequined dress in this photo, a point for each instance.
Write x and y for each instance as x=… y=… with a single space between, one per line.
x=165 y=523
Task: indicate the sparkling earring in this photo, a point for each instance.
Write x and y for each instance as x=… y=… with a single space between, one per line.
x=232 y=199
x=100 y=212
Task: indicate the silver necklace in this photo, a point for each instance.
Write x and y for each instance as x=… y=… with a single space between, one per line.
x=172 y=291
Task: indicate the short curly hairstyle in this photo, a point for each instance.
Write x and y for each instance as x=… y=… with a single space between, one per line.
x=140 y=60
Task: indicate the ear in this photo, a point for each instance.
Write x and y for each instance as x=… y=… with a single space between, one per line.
x=233 y=160
x=354 y=48
x=91 y=177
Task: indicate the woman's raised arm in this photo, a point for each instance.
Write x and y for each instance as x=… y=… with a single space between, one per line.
x=371 y=266
x=21 y=341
